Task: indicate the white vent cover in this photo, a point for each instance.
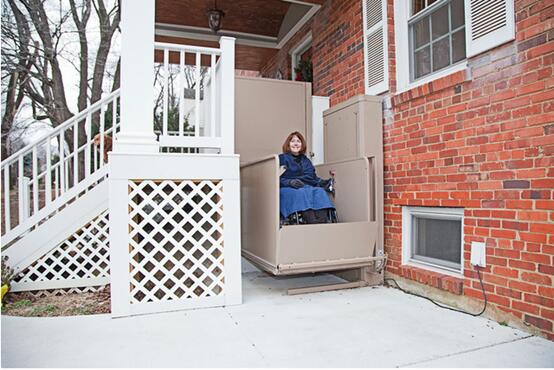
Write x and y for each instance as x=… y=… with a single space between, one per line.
x=375 y=46
x=489 y=23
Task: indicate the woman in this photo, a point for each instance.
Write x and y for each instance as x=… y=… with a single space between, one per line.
x=300 y=188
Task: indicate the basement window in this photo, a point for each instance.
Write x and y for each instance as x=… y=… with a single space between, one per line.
x=432 y=238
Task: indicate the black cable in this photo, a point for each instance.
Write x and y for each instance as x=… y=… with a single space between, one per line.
x=449 y=308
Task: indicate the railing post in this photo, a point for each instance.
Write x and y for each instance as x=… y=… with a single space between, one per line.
x=137 y=78
x=25 y=198
x=227 y=110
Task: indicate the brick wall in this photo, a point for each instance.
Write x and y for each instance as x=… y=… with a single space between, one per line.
x=337 y=42
x=481 y=139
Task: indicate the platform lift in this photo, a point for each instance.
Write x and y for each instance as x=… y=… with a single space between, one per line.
x=353 y=151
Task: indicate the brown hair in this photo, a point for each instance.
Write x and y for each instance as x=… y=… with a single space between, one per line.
x=286 y=144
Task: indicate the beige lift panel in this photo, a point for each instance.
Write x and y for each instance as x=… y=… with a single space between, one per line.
x=307 y=248
x=266 y=112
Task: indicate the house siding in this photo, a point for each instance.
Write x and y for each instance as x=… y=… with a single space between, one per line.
x=481 y=138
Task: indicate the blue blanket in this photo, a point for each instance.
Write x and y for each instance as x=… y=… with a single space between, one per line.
x=296 y=200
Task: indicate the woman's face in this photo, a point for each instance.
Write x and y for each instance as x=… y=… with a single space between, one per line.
x=295 y=145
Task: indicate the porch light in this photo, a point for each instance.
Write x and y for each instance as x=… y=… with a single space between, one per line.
x=215 y=18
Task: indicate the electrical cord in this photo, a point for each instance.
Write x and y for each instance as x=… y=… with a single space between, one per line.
x=446 y=307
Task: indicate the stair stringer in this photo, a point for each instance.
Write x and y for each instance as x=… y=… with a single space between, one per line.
x=53 y=234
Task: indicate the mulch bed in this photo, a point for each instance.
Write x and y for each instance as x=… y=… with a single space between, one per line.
x=71 y=304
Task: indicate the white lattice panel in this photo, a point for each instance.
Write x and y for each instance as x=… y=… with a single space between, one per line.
x=176 y=240
x=81 y=261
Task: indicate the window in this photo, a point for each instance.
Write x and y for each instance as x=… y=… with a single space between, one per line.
x=432 y=238
x=437 y=36
x=434 y=38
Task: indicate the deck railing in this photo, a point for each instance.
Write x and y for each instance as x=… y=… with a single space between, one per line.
x=211 y=89
x=41 y=178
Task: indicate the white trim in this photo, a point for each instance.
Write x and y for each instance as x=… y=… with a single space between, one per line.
x=300 y=48
x=434 y=76
x=438 y=213
x=309 y=14
x=59 y=284
x=205 y=34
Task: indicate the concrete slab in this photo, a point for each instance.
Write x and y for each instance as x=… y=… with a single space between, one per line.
x=366 y=327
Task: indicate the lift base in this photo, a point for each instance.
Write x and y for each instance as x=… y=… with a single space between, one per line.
x=327 y=287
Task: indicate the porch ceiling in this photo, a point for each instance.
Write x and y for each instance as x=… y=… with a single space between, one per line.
x=259 y=26
x=248 y=16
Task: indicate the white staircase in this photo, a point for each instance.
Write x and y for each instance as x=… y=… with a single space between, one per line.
x=55 y=201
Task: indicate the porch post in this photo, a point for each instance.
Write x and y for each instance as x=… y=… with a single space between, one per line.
x=137 y=78
x=227 y=46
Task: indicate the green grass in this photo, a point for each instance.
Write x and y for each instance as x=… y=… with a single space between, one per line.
x=503 y=323
x=21 y=304
x=41 y=310
x=82 y=310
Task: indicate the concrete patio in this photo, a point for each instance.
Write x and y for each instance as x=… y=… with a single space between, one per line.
x=366 y=327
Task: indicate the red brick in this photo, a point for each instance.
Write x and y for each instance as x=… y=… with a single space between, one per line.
x=546 y=291
x=536 y=278
x=523 y=265
x=545 y=204
x=538 y=322
x=546 y=269
x=525 y=307
x=535 y=257
x=525 y=287
x=508 y=292
x=542 y=301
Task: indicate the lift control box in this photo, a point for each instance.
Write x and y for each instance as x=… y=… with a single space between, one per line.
x=478 y=254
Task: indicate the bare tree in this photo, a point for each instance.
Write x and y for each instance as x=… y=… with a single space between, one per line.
x=40 y=36
x=36 y=52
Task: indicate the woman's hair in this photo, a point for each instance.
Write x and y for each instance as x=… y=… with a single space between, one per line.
x=286 y=144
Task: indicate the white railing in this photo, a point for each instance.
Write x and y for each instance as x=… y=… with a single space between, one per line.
x=42 y=177
x=213 y=69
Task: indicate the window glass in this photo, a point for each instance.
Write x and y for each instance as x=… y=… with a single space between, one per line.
x=437 y=239
x=439 y=22
x=422 y=62
x=417 y=6
x=421 y=32
x=457 y=14
x=441 y=54
x=458 y=46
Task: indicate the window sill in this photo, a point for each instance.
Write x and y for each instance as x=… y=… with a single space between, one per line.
x=448 y=78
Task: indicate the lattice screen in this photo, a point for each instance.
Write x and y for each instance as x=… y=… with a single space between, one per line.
x=83 y=255
x=176 y=239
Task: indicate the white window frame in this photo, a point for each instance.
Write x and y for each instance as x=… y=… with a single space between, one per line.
x=436 y=213
x=401 y=15
x=298 y=50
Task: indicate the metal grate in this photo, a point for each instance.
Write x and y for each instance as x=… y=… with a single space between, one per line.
x=176 y=240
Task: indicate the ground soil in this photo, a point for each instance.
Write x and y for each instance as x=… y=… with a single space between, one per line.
x=71 y=304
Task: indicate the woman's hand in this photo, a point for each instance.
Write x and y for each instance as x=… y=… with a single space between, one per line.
x=297 y=184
